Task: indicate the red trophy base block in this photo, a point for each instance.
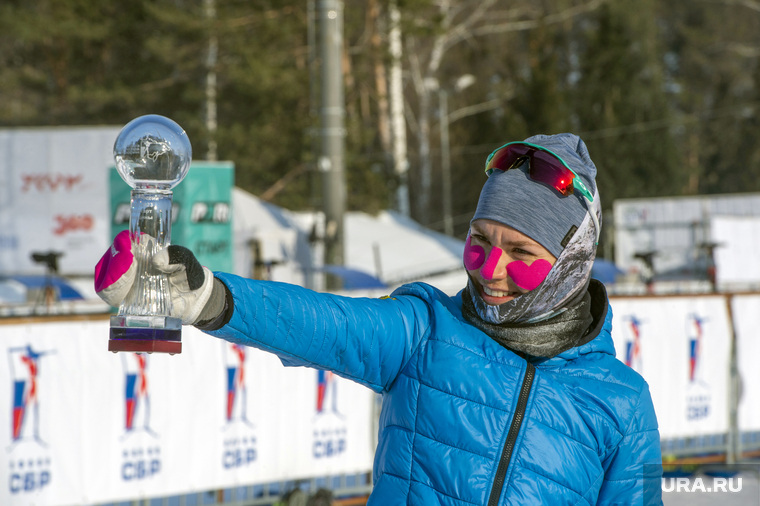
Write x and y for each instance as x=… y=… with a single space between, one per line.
x=145 y=346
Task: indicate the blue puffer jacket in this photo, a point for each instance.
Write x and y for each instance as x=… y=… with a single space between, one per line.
x=464 y=420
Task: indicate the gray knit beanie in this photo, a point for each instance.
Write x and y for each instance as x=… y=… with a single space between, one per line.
x=513 y=199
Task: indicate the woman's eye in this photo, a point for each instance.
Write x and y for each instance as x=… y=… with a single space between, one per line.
x=480 y=238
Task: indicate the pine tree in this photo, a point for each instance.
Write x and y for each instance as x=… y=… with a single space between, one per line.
x=620 y=104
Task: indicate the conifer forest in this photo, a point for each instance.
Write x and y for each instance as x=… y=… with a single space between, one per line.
x=664 y=92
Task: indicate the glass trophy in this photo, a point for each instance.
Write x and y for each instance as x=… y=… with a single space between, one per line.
x=152 y=155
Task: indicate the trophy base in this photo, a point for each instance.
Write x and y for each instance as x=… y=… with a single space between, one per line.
x=145 y=334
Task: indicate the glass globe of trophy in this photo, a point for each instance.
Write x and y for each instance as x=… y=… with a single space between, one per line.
x=152 y=155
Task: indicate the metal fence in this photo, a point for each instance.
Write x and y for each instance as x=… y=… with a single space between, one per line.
x=342 y=490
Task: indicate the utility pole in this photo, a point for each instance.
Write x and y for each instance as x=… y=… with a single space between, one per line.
x=398 y=122
x=332 y=132
x=443 y=106
x=733 y=441
x=210 y=12
x=464 y=81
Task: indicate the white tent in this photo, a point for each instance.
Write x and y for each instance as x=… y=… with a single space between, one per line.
x=389 y=247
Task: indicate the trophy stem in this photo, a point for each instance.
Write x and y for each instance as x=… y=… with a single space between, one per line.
x=149 y=229
x=144 y=322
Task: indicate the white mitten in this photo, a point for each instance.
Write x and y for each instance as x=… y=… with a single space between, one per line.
x=190 y=284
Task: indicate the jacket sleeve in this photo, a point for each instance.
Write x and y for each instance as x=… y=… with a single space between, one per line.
x=633 y=471
x=366 y=340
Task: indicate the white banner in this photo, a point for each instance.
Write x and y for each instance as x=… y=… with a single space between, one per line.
x=681 y=346
x=88 y=426
x=735 y=236
x=746 y=309
x=54 y=197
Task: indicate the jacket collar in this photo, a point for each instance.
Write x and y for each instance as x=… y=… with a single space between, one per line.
x=599 y=339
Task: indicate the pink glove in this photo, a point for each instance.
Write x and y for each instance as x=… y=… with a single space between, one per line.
x=115 y=271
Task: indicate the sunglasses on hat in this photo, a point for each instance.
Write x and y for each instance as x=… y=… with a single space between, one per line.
x=545 y=167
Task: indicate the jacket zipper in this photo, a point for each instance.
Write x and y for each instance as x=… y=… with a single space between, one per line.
x=514 y=430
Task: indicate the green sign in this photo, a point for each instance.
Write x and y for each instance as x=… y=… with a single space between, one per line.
x=201 y=212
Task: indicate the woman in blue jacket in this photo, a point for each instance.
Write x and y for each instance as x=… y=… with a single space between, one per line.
x=508 y=392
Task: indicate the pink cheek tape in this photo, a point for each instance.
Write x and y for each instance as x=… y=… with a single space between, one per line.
x=474 y=256
x=527 y=276
x=115 y=262
x=489 y=267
